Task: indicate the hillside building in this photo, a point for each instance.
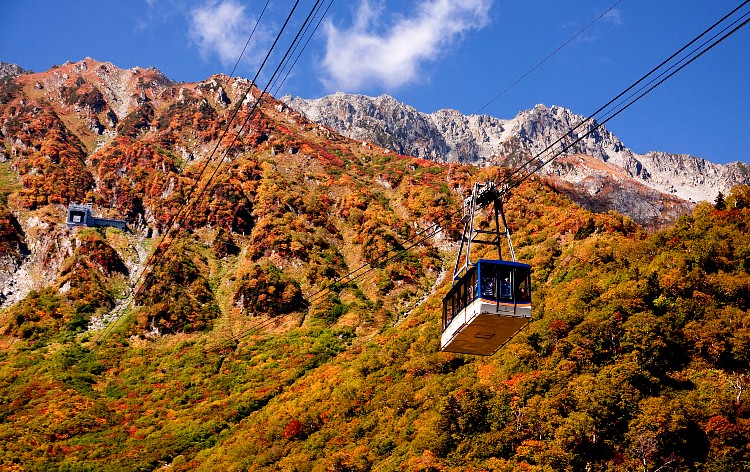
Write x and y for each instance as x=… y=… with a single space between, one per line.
x=82 y=215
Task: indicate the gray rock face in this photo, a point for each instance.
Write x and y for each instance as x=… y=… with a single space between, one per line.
x=444 y=136
x=10 y=70
x=637 y=184
x=116 y=88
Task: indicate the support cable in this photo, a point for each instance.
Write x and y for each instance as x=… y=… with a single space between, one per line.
x=509 y=180
x=514 y=179
x=549 y=56
x=158 y=252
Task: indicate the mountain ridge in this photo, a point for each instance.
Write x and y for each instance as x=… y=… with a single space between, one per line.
x=448 y=136
x=132 y=142
x=11 y=70
x=250 y=348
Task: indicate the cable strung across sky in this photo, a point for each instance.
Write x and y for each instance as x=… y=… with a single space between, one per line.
x=518 y=176
x=622 y=106
x=173 y=224
x=717 y=33
x=483 y=44
x=549 y=56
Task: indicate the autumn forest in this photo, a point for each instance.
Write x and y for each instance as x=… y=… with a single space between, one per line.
x=242 y=345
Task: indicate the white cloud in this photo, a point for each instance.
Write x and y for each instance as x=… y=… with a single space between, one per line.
x=613 y=16
x=221 y=28
x=373 y=52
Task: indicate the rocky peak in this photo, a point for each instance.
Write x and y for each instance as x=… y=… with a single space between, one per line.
x=541 y=127
x=382 y=120
x=11 y=70
x=127 y=140
x=635 y=182
x=121 y=90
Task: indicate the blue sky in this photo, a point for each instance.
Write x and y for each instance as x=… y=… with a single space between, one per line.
x=431 y=54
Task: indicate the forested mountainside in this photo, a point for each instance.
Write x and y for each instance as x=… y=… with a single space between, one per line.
x=240 y=354
x=599 y=173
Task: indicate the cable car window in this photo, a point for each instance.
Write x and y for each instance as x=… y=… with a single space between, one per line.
x=488 y=281
x=448 y=311
x=472 y=287
x=464 y=295
x=523 y=287
x=504 y=277
x=461 y=296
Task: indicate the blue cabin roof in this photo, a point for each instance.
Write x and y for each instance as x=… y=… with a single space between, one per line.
x=502 y=262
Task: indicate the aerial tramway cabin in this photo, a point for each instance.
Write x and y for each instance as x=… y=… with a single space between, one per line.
x=490 y=299
x=486 y=307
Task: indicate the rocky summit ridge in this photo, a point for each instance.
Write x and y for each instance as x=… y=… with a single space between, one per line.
x=600 y=173
x=652 y=188
x=10 y=70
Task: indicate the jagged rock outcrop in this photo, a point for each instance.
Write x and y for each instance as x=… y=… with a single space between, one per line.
x=600 y=186
x=381 y=120
x=444 y=136
x=652 y=188
x=13 y=249
x=42 y=249
x=11 y=70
